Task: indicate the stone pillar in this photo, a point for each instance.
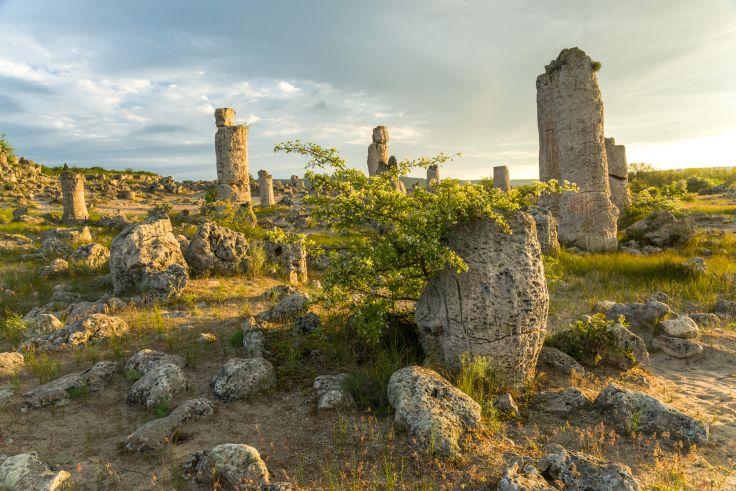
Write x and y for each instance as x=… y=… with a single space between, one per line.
x=378 y=151
x=618 y=174
x=265 y=187
x=72 y=192
x=501 y=179
x=393 y=164
x=433 y=176
x=572 y=148
x=231 y=150
x=297 y=183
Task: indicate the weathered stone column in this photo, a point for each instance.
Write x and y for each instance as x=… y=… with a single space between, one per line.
x=265 y=187
x=393 y=164
x=72 y=195
x=297 y=183
x=618 y=174
x=433 y=176
x=378 y=151
x=572 y=148
x=231 y=150
x=497 y=309
x=501 y=179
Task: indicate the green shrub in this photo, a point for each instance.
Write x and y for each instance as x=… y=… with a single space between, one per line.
x=648 y=201
x=596 y=66
x=696 y=184
x=6 y=146
x=210 y=196
x=44 y=368
x=12 y=328
x=236 y=340
x=588 y=341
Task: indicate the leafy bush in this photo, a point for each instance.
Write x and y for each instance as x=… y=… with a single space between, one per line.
x=12 y=328
x=695 y=184
x=647 y=202
x=399 y=243
x=237 y=217
x=6 y=147
x=588 y=341
x=210 y=196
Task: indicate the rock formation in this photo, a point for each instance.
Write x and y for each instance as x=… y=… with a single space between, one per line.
x=433 y=176
x=219 y=250
x=265 y=188
x=231 y=150
x=501 y=179
x=572 y=148
x=618 y=174
x=498 y=308
x=72 y=191
x=378 y=151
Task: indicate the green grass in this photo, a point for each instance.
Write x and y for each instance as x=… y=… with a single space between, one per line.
x=42 y=366
x=12 y=329
x=476 y=379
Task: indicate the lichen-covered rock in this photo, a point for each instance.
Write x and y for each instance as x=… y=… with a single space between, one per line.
x=523 y=476
x=217 y=250
x=681 y=327
x=146 y=360
x=241 y=378
x=631 y=350
x=431 y=409
x=546 y=229
x=233 y=465
x=676 y=347
x=588 y=221
x=630 y=411
x=146 y=257
x=105 y=305
x=288 y=307
x=62 y=390
x=559 y=361
x=11 y=363
x=332 y=392
x=307 y=323
x=505 y=404
x=639 y=315
x=28 y=473
x=253 y=341
x=95 y=326
x=563 y=402
x=57 y=267
x=498 y=308
x=577 y=471
x=158 y=432
x=91 y=256
x=662 y=229
x=161 y=384
x=705 y=319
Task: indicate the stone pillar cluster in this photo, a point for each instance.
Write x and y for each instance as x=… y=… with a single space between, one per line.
x=501 y=179
x=618 y=174
x=378 y=151
x=265 y=188
x=72 y=195
x=572 y=148
x=231 y=150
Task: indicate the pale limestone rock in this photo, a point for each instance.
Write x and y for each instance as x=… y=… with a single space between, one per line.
x=578 y=471
x=681 y=327
x=161 y=431
x=91 y=256
x=332 y=392
x=378 y=151
x=232 y=465
x=72 y=190
x=242 y=378
x=265 y=188
x=94 y=326
x=618 y=174
x=546 y=229
x=231 y=150
x=433 y=176
x=61 y=390
x=501 y=178
x=217 y=250
x=676 y=347
x=28 y=473
x=162 y=383
x=498 y=308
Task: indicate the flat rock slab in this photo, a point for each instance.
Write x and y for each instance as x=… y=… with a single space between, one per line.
x=158 y=432
x=62 y=390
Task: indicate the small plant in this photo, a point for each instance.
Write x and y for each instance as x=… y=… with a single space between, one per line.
x=596 y=66
x=133 y=374
x=44 y=368
x=12 y=328
x=77 y=391
x=258 y=259
x=589 y=341
x=236 y=340
x=161 y=408
x=476 y=379
x=210 y=196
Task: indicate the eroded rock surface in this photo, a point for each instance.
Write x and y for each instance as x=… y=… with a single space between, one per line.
x=332 y=392
x=241 y=378
x=162 y=383
x=218 y=250
x=233 y=465
x=158 y=432
x=28 y=472
x=62 y=390
x=94 y=326
x=578 y=471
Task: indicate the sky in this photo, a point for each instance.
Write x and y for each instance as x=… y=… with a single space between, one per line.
x=135 y=83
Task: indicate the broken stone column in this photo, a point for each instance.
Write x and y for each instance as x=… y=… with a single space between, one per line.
x=572 y=148
x=378 y=151
x=72 y=192
x=496 y=309
x=501 y=179
x=618 y=174
x=433 y=176
x=231 y=150
x=265 y=188
x=297 y=183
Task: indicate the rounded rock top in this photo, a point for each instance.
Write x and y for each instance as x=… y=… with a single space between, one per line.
x=224 y=116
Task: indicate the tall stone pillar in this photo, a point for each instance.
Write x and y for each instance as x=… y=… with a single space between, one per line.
x=572 y=148
x=378 y=151
x=231 y=150
x=393 y=164
x=618 y=174
x=501 y=179
x=72 y=195
x=433 y=176
x=265 y=187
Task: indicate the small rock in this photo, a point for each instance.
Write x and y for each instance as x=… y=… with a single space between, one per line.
x=677 y=347
x=233 y=465
x=681 y=327
x=578 y=471
x=307 y=323
x=632 y=350
x=562 y=403
x=57 y=268
x=332 y=393
x=523 y=476
x=160 y=431
x=505 y=404
x=560 y=361
x=61 y=390
x=241 y=378
x=289 y=306
x=705 y=319
x=95 y=326
x=146 y=360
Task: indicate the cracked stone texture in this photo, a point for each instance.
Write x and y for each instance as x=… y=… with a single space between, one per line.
x=147 y=257
x=498 y=308
x=231 y=151
x=572 y=148
x=431 y=409
x=219 y=250
x=265 y=188
x=146 y=360
x=91 y=256
x=618 y=174
x=676 y=347
x=94 y=326
x=158 y=432
x=378 y=151
x=631 y=411
x=72 y=192
x=546 y=229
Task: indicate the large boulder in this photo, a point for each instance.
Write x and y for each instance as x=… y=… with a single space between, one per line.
x=431 y=409
x=146 y=257
x=217 y=250
x=661 y=229
x=61 y=390
x=241 y=378
x=639 y=315
x=498 y=308
x=676 y=347
x=27 y=472
x=233 y=465
x=158 y=432
x=681 y=327
x=630 y=411
x=160 y=385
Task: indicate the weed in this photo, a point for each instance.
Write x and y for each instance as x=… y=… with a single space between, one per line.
x=12 y=328
x=236 y=340
x=476 y=379
x=44 y=368
x=133 y=374
x=161 y=408
x=77 y=391
x=588 y=341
